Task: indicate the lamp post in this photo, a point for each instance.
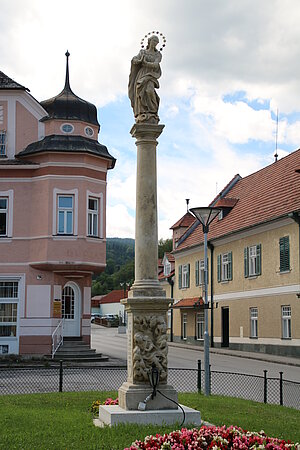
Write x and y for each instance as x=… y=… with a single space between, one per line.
x=205 y=216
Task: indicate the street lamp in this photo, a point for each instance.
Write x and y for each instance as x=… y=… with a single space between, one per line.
x=205 y=216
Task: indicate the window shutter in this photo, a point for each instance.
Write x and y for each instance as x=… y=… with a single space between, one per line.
x=258 y=259
x=219 y=268
x=230 y=266
x=188 y=276
x=284 y=247
x=197 y=273
x=180 y=277
x=246 y=262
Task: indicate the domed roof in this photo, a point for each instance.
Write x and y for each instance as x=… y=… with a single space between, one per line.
x=68 y=106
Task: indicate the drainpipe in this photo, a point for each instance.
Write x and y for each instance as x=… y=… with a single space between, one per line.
x=171 y=283
x=211 y=248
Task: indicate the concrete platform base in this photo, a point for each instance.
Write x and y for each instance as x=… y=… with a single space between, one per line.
x=114 y=414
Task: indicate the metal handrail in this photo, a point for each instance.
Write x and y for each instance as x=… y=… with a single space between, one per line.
x=59 y=337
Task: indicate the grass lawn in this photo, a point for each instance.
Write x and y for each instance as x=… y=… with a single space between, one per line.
x=62 y=421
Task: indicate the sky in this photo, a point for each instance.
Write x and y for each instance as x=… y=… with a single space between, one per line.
x=227 y=68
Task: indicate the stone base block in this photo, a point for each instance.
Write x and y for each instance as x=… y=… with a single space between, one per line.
x=114 y=415
x=130 y=395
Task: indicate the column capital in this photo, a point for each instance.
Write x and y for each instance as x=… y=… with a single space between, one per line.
x=146 y=131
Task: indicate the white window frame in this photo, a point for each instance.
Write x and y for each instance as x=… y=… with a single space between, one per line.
x=66 y=211
x=252 y=260
x=254 y=322
x=96 y=196
x=93 y=218
x=167 y=268
x=185 y=276
x=184 y=326
x=224 y=267
x=3 y=135
x=10 y=300
x=286 y=321
x=9 y=195
x=200 y=326
x=4 y=212
x=63 y=192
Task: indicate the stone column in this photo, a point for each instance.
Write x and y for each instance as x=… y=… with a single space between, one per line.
x=147 y=304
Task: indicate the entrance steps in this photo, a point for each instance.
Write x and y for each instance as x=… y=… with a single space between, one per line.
x=74 y=349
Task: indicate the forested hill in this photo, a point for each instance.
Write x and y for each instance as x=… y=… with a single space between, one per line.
x=120 y=264
x=120 y=250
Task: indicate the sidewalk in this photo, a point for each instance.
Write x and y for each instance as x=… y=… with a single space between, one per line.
x=286 y=360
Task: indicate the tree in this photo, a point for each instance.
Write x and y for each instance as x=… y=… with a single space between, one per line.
x=164 y=245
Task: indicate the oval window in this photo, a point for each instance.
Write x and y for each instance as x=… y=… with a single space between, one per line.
x=67 y=128
x=89 y=131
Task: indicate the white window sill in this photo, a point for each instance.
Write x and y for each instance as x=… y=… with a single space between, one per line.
x=225 y=281
x=64 y=236
x=284 y=272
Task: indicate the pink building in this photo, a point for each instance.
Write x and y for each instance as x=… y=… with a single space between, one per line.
x=52 y=216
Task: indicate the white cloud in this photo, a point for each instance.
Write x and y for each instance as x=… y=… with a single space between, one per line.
x=214 y=49
x=120 y=222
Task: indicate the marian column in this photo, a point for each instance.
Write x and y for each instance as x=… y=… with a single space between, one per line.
x=147 y=304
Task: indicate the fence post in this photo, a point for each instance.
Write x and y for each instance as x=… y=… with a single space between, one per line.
x=209 y=379
x=265 y=386
x=199 y=376
x=60 y=375
x=280 y=388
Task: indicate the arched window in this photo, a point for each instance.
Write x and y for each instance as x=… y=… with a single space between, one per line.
x=68 y=300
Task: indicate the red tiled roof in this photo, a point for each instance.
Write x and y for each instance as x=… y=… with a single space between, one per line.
x=185 y=221
x=226 y=202
x=263 y=196
x=161 y=276
x=188 y=302
x=112 y=297
x=170 y=257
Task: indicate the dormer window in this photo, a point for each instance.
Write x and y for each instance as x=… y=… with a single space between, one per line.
x=167 y=268
x=67 y=128
x=2 y=143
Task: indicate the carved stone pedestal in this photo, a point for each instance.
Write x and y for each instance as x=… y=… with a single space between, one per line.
x=147 y=346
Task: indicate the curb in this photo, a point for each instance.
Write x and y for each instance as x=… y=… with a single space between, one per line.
x=288 y=361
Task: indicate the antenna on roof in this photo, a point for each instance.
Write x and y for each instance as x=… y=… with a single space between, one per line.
x=276 y=154
x=187 y=204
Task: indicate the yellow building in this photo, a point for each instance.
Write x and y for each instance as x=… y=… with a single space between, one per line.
x=253 y=265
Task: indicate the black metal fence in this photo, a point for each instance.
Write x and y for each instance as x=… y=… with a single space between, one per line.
x=260 y=388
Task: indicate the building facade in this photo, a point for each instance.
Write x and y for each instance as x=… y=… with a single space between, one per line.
x=53 y=175
x=253 y=266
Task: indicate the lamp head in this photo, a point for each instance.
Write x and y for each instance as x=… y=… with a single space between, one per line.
x=205 y=215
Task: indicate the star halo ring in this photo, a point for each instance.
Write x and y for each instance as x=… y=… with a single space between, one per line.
x=161 y=37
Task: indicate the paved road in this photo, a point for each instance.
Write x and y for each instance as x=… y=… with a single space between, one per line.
x=109 y=342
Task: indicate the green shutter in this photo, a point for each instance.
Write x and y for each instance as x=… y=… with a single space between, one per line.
x=219 y=268
x=230 y=266
x=246 y=262
x=284 y=248
x=188 y=276
x=258 y=259
x=197 y=273
x=180 y=277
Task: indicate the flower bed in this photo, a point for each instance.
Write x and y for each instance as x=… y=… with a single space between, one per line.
x=211 y=437
x=97 y=403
